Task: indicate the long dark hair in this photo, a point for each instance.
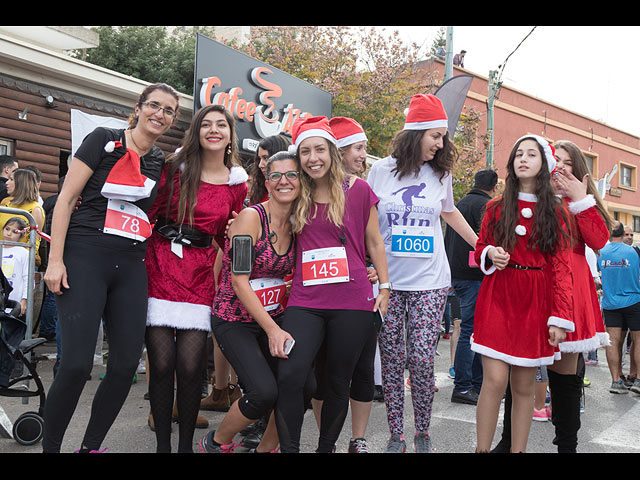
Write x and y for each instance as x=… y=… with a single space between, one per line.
x=273 y=145
x=188 y=160
x=580 y=169
x=407 y=151
x=548 y=232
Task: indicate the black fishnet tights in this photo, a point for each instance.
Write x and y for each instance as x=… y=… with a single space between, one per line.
x=181 y=352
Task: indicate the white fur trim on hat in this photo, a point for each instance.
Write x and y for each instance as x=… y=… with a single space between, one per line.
x=426 y=125
x=351 y=139
x=315 y=132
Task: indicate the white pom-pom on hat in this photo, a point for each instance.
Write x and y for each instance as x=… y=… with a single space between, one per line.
x=110 y=146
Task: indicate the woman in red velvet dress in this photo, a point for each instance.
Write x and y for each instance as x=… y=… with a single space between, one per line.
x=201 y=186
x=591 y=226
x=524 y=305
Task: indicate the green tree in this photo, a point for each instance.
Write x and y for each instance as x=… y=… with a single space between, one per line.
x=369 y=73
x=150 y=53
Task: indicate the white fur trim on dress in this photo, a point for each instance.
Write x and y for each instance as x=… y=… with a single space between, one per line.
x=237 y=175
x=600 y=339
x=483 y=256
x=510 y=359
x=582 y=205
x=180 y=315
x=527 y=197
x=568 y=325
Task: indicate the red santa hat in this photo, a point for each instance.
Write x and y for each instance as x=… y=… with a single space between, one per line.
x=425 y=112
x=549 y=151
x=308 y=127
x=347 y=131
x=125 y=181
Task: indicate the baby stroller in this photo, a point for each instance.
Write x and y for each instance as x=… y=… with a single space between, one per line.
x=29 y=427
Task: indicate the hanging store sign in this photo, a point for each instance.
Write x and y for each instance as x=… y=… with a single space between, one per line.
x=264 y=101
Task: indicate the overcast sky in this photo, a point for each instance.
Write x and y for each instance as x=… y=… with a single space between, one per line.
x=589 y=70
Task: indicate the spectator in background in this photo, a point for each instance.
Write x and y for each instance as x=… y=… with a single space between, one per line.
x=630 y=346
x=628 y=235
x=619 y=265
x=466 y=282
x=22 y=187
x=38 y=178
x=458 y=58
x=7 y=165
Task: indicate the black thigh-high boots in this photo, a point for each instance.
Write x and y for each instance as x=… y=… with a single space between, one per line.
x=566 y=391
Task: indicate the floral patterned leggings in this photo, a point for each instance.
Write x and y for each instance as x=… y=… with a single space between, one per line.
x=422 y=311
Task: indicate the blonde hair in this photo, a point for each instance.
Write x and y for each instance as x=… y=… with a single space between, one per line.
x=335 y=211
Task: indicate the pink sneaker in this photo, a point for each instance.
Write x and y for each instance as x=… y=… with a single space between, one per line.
x=540 y=415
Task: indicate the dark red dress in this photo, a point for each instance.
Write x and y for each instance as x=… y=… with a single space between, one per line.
x=181 y=290
x=588 y=229
x=515 y=307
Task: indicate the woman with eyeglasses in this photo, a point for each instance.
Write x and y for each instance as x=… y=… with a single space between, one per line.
x=96 y=263
x=201 y=185
x=248 y=307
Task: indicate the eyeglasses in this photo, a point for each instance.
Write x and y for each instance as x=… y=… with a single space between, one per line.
x=155 y=107
x=275 y=177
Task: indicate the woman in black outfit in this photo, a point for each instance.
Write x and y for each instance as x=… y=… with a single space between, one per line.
x=96 y=263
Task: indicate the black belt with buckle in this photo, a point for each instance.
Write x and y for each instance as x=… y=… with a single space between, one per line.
x=520 y=267
x=183 y=234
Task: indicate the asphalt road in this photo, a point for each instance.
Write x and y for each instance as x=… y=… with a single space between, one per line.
x=610 y=423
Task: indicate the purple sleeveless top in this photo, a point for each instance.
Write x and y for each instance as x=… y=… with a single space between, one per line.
x=357 y=293
x=266 y=264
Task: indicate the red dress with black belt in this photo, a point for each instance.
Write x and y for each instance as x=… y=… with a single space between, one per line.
x=588 y=229
x=516 y=305
x=181 y=290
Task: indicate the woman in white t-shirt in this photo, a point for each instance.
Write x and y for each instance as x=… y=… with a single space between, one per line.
x=415 y=189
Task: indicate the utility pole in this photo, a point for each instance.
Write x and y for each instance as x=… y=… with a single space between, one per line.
x=494 y=86
x=494 y=83
x=448 y=64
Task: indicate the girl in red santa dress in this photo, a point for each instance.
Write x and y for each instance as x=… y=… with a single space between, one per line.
x=524 y=306
x=591 y=226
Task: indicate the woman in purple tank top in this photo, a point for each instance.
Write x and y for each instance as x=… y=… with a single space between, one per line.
x=331 y=298
x=247 y=310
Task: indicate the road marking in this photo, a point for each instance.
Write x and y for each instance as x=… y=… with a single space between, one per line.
x=624 y=432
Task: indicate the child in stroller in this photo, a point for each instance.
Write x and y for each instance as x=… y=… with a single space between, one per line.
x=28 y=428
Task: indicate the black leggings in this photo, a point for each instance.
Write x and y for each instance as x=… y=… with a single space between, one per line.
x=246 y=346
x=346 y=332
x=183 y=353
x=109 y=284
x=363 y=383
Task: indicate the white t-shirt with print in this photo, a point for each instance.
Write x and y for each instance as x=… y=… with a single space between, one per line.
x=413 y=201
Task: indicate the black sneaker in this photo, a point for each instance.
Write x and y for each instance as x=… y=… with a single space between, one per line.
x=470 y=397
